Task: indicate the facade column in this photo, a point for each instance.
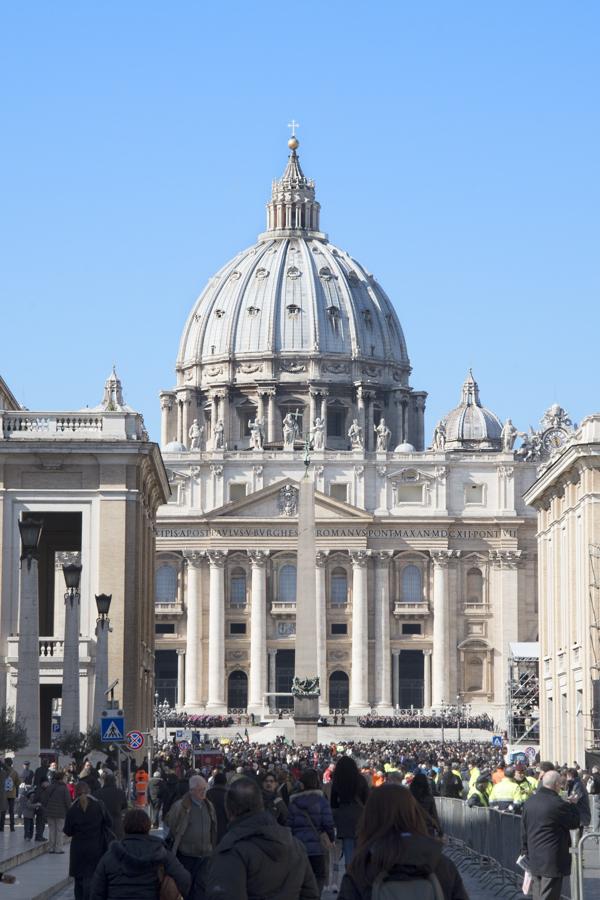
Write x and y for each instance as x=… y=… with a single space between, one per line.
x=312 y=408
x=193 y=662
x=216 y=632
x=260 y=406
x=167 y=399
x=187 y=417
x=180 y=678
x=368 y=432
x=441 y=624
x=504 y=565
x=272 y=674
x=396 y=678
x=70 y=716
x=225 y=411
x=27 y=706
x=427 y=679
x=321 y=614
x=214 y=415
x=360 y=410
x=359 y=677
x=258 y=633
x=271 y=408
x=324 y=395
x=383 y=687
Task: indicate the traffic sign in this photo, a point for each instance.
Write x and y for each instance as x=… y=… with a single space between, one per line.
x=135 y=740
x=497 y=740
x=531 y=752
x=112 y=728
x=55 y=724
x=184 y=745
x=179 y=733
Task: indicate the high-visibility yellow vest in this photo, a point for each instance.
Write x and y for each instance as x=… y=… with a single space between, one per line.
x=474 y=773
x=506 y=791
x=476 y=792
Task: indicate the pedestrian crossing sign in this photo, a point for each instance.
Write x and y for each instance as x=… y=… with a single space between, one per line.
x=497 y=740
x=112 y=728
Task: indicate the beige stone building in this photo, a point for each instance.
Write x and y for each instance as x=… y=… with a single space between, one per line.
x=96 y=480
x=566 y=495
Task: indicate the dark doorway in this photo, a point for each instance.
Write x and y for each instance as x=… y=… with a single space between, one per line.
x=61 y=532
x=412 y=679
x=49 y=693
x=339 y=691
x=165 y=671
x=285 y=663
x=237 y=691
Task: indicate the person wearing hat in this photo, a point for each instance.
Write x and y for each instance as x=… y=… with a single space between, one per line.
x=524 y=785
x=505 y=794
x=479 y=793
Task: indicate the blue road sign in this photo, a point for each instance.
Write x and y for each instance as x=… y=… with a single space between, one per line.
x=55 y=725
x=497 y=741
x=112 y=728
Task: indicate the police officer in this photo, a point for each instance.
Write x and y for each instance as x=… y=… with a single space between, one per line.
x=479 y=793
x=505 y=793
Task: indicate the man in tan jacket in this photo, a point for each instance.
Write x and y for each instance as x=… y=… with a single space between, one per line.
x=192 y=824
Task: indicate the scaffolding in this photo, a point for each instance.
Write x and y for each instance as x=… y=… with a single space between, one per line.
x=523 y=694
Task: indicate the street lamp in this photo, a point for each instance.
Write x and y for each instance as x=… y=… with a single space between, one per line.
x=70 y=719
x=101 y=677
x=28 y=678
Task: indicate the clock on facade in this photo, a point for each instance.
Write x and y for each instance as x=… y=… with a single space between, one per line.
x=553 y=439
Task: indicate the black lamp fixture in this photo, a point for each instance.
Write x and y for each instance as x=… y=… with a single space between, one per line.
x=31 y=532
x=103 y=605
x=72 y=574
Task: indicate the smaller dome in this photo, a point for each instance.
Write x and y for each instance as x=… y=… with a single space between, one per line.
x=470 y=426
x=405 y=448
x=174 y=447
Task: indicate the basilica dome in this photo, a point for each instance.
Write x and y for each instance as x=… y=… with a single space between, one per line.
x=289 y=297
x=470 y=426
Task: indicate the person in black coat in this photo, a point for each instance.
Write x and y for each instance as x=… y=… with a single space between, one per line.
x=349 y=792
x=545 y=839
x=114 y=800
x=421 y=791
x=84 y=824
x=131 y=868
x=450 y=783
x=393 y=845
x=216 y=794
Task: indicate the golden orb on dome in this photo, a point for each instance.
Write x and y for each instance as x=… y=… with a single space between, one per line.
x=293 y=142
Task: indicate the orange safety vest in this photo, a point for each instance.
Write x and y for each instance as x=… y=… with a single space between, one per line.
x=141 y=787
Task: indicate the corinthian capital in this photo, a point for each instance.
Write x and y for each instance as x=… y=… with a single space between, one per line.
x=360 y=558
x=506 y=559
x=321 y=558
x=258 y=558
x=194 y=557
x=217 y=557
x=382 y=557
x=441 y=558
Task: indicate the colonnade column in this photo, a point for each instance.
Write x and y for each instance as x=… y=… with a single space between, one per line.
x=396 y=678
x=383 y=693
x=441 y=658
x=180 y=678
x=216 y=631
x=359 y=677
x=321 y=614
x=167 y=398
x=427 y=679
x=258 y=633
x=193 y=667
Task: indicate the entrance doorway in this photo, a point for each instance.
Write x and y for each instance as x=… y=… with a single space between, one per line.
x=285 y=664
x=339 y=692
x=412 y=679
x=237 y=691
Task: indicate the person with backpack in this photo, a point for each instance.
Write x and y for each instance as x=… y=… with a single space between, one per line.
x=311 y=821
x=349 y=792
x=11 y=784
x=395 y=858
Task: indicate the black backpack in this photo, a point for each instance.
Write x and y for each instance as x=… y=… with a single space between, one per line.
x=424 y=888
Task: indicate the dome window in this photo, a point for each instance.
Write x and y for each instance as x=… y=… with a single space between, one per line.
x=293 y=310
x=235 y=275
x=325 y=273
x=293 y=272
x=253 y=310
x=261 y=274
x=368 y=318
x=333 y=311
x=219 y=313
x=353 y=277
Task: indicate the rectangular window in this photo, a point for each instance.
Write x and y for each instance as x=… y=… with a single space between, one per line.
x=237 y=628
x=164 y=628
x=339 y=492
x=336 y=422
x=339 y=628
x=410 y=493
x=411 y=628
x=237 y=491
x=474 y=494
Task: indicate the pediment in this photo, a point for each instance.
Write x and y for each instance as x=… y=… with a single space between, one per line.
x=279 y=502
x=414 y=475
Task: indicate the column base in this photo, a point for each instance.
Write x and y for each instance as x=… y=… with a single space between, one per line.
x=216 y=707
x=359 y=709
x=384 y=709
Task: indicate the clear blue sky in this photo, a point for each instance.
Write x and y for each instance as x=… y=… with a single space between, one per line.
x=455 y=148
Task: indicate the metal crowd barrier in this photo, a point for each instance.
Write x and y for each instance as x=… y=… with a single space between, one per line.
x=488 y=843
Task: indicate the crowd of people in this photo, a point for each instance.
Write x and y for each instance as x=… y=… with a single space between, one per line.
x=274 y=820
x=436 y=720
x=175 y=719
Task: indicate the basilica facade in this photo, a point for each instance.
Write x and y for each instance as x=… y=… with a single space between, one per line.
x=293 y=360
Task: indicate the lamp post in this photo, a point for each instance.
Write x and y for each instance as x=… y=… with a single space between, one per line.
x=70 y=718
x=101 y=678
x=458 y=713
x=27 y=707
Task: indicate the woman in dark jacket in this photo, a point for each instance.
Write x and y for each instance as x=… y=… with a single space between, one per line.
x=349 y=792
x=421 y=791
x=309 y=816
x=393 y=844
x=132 y=868
x=114 y=800
x=85 y=824
x=273 y=802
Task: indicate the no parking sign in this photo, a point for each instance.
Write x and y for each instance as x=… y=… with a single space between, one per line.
x=184 y=745
x=135 y=740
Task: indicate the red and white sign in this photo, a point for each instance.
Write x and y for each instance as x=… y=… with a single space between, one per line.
x=135 y=740
x=184 y=745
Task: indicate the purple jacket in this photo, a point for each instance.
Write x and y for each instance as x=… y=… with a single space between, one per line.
x=307 y=807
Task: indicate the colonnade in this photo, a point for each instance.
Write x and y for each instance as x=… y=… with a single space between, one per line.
x=262 y=659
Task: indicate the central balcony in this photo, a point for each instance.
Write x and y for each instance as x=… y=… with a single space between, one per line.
x=411 y=610
x=283 y=609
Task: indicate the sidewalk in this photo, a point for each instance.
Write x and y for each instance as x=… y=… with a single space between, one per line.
x=14 y=850
x=40 y=878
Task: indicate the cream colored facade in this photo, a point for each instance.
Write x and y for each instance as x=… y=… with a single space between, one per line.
x=96 y=481
x=566 y=495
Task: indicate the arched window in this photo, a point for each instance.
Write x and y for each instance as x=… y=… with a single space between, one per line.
x=339 y=691
x=412 y=586
x=165 y=584
x=287 y=584
x=474 y=674
x=474 y=586
x=237 y=691
x=237 y=587
x=339 y=586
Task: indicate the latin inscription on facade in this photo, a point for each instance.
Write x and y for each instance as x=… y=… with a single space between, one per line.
x=372 y=533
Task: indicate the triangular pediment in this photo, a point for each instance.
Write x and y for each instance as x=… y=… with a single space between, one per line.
x=279 y=502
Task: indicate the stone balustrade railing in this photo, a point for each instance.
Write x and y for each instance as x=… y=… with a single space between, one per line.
x=26 y=425
x=52 y=648
x=411 y=609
